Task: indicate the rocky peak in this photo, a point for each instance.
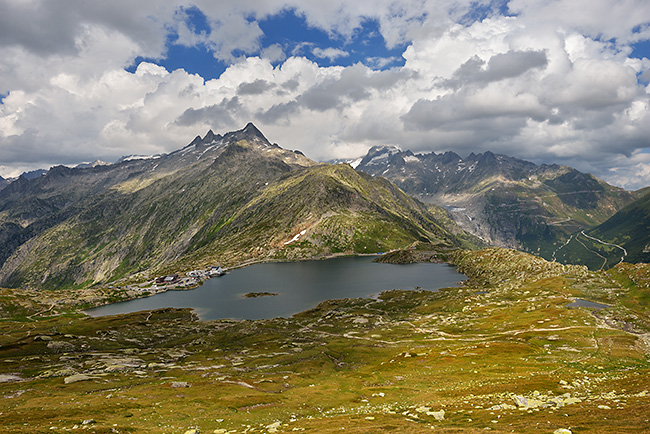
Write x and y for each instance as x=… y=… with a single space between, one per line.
x=449 y=157
x=250 y=128
x=206 y=140
x=197 y=140
x=34 y=174
x=3 y=182
x=379 y=155
x=211 y=137
x=249 y=133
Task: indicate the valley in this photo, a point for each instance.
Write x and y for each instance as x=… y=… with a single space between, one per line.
x=228 y=200
x=505 y=201
x=524 y=345
x=624 y=235
x=503 y=353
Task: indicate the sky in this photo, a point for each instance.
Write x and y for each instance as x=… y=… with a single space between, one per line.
x=549 y=81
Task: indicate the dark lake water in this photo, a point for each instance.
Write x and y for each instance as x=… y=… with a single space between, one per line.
x=300 y=286
x=588 y=304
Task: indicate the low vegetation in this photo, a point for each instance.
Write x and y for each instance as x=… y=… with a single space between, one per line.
x=502 y=354
x=229 y=201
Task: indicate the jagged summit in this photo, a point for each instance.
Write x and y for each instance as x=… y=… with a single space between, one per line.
x=379 y=155
x=224 y=199
x=504 y=200
x=211 y=136
x=250 y=128
x=250 y=133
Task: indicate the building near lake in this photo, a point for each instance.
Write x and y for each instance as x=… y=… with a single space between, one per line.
x=169 y=279
x=216 y=270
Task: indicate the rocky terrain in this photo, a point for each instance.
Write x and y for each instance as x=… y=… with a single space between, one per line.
x=504 y=353
x=228 y=200
x=511 y=350
x=506 y=201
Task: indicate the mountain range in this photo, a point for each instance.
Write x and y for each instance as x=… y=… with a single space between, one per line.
x=221 y=199
x=506 y=201
x=237 y=198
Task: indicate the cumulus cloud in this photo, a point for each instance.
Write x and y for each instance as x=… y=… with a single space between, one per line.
x=218 y=115
x=273 y=53
x=329 y=53
x=631 y=173
x=624 y=20
x=256 y=87
x=544 y=83
x=499 y=67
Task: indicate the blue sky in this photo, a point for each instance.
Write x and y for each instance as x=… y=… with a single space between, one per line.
x=641 y=50
x=562 y=81
x=293 y=34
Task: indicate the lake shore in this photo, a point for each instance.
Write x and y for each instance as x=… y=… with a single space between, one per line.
x=299 y=285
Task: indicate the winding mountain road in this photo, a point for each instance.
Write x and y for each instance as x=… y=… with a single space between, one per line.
x=608 y=244
x=575 y=237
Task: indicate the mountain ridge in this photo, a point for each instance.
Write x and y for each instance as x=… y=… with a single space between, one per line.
x=220 y=199
x=506 y=201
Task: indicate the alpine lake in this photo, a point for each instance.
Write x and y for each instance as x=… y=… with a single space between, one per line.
x=286 y=288
x=503 y=352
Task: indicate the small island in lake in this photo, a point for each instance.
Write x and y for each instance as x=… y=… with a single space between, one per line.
x=260 y=294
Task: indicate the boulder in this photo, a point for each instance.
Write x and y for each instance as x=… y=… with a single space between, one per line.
x=76 y=378
x=524 y=403
x=521 y=401
x=9 y=378
x=60 y=346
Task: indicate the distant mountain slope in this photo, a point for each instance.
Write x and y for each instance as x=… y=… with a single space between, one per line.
x=506 y=201
x=221 y=199
x=625 y=236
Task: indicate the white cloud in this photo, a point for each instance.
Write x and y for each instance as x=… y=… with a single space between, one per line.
x=541 y=85
x=631 y=173
x=273 y=53
x=625 y=20
x=329 y=53
x=380 y=62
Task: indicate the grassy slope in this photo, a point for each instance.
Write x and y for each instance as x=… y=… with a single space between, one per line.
x=129 y=227
x=245 y=206
x=340 y=211
x=550 y=207
x=534 y=210
x=361 y=365
x=628 y=228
